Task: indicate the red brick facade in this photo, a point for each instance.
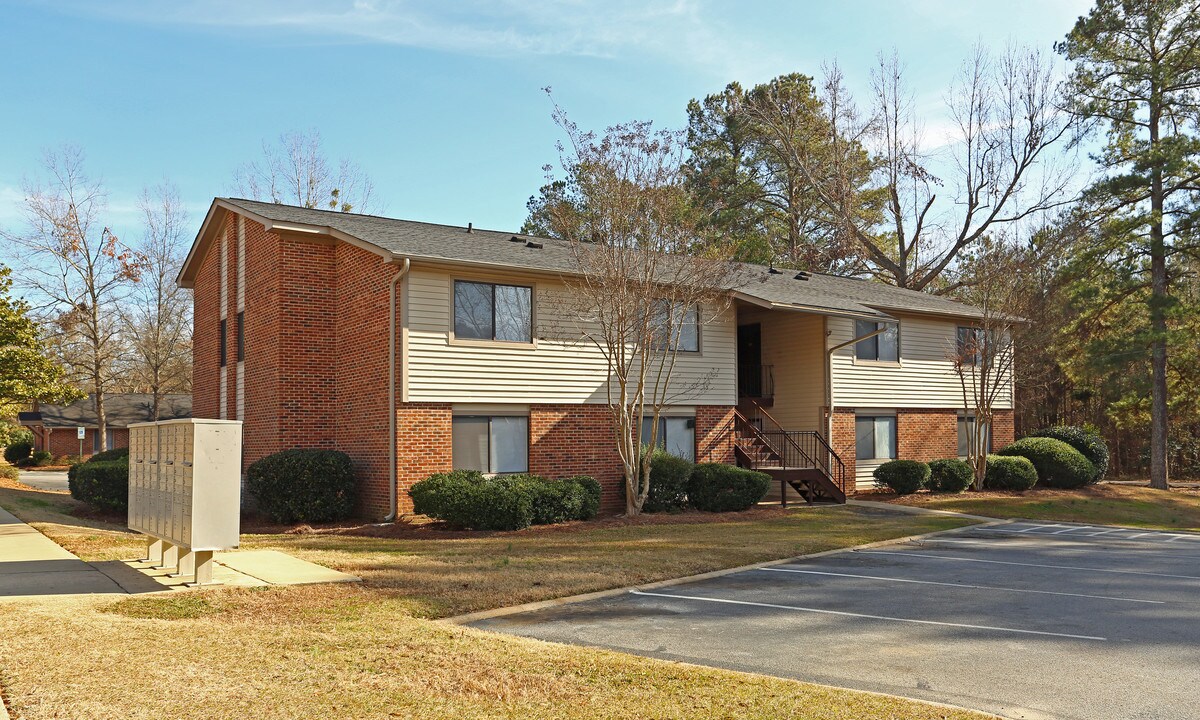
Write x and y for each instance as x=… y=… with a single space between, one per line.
x=64 y=441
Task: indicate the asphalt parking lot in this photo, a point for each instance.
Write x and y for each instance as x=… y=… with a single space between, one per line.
x=1023 y=620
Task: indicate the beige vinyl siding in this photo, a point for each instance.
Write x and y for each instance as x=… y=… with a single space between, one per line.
x=792 y=345
x=924 y=377
x=558 y=367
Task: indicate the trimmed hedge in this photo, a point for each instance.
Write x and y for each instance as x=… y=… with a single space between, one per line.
x=104 y=484
x=41 y=458
x=669 y=477
x=1058 y=464
x=1009 y=472
x=904 y=477
x=1088 y=442
x=714 y=487
x=952 y=475
x=303 y=485
x=17 y=452
x=114 y=454
x=467 y=498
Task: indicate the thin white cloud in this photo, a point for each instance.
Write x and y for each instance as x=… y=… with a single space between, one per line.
x=674 y=30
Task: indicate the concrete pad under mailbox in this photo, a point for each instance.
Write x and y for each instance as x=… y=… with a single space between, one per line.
x=276 y=568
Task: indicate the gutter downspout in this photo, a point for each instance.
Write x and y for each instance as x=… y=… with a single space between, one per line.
x=829 y=375
x=393 y=500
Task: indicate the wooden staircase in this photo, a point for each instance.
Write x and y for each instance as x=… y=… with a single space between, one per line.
x=800 y=459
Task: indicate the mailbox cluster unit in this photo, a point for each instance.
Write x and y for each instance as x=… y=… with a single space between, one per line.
x=185 y=490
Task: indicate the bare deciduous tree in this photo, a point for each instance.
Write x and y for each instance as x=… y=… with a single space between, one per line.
x=78 y=271
x=157 y=319
x=296 y=171
x=1005 y=119
x=983 y=352
x=644 y=282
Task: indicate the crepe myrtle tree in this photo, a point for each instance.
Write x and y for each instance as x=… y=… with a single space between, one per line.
x=642 y=280
x=982 y=353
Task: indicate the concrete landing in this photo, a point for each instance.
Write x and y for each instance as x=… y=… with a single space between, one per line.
x=248 y=568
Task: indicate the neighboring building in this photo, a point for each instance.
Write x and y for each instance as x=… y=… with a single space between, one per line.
x=294 y=310
x=54 y=427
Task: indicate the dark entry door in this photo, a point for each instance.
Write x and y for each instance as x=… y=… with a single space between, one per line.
x=749 y=359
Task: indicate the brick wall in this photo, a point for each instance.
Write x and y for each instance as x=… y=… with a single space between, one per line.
x=206 y=305
x=926 y=434
x=713 y=441
x=843 y=443
x=64 y=441
x=569 y=440
x=264 y=262
x=423 y=447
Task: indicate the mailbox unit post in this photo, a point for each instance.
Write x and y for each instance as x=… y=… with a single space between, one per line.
x=185 y=491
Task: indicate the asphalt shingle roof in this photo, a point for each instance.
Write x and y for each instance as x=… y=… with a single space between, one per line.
x=121 y=410
x=419 y=240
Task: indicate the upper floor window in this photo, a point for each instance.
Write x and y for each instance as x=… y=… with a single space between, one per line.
x=241 y=336
x=884 y=346
x=969 y=344
x=676 y=327
x=488 y=311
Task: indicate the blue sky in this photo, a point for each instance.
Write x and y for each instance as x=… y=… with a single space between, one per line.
x=440 y=102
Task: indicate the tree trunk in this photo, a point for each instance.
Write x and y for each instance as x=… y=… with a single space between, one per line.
x=1158 y=320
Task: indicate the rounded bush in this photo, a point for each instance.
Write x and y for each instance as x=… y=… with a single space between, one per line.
x=104 y=485
x=903 y=477
x=302 y=485
x=591 y=491
x=468 y=499
x=1009 y=472
x=41 y=458
x=668 y=483
x=18 y=451
x=714 y=487
x=114 y=454
x=9 y=472
x=952 y=475
x=1088 y=442
x=1058 y=464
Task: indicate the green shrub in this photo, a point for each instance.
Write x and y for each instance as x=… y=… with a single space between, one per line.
x=18 y=451
x=302 y=485
x=1005 y=472
x=951 y=475
x=114 y=454
x=9 y=472
x=104 y=485
x=1088 y=442
x=466 y=498
x=714 y=487
x=591 y=490
x=1058 y=464
x=668 y=482
x=903 y=477
x=41 y=458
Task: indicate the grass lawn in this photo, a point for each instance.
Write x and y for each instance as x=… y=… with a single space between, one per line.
x=1102 y=504
x=373 y=651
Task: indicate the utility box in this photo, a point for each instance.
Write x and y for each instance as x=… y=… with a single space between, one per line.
x=185 y=491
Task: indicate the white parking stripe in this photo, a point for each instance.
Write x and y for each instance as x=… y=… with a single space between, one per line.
x=1071 y=529
x=1006 y=562
x=960 y=585
x=841 y=613
x=1030 y=528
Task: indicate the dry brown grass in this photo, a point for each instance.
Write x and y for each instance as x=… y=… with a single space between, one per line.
x=1103 y=504
x=339 y=651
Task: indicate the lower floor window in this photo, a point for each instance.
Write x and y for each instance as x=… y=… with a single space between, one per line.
x=966 y=428
x=491 y=443
x=676 y=435
x=875 y=437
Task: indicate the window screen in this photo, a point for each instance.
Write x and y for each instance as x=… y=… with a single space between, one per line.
x=884 y=346
x=485 y=311
x=490 y=444
x=875 y=437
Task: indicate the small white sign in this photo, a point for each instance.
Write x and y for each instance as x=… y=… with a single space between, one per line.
x=80 y=432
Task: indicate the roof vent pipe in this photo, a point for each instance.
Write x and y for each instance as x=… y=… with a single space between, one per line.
x=470 y=227
x=771 y=270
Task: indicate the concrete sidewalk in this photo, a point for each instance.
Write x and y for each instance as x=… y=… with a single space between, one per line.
x=32 y=564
